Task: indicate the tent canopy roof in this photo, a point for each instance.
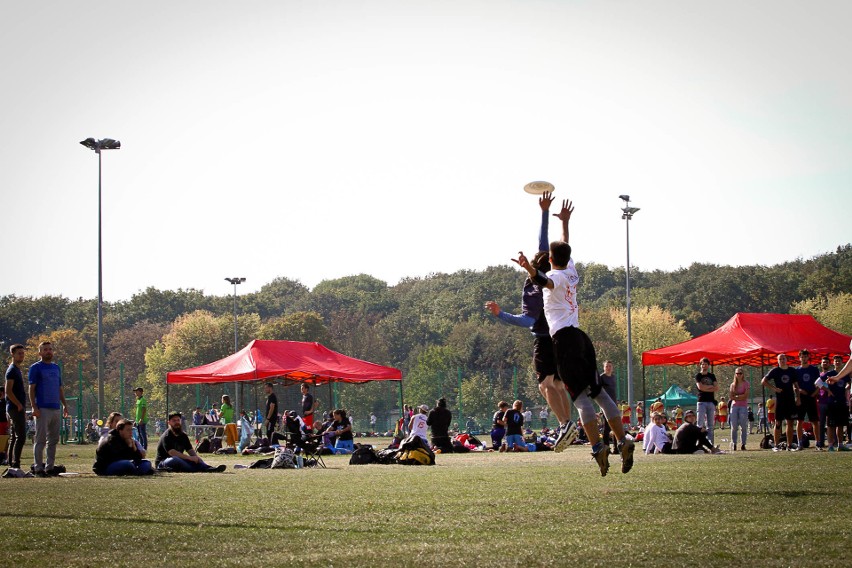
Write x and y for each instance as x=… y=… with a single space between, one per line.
x=755 y=340
x=673 y=397
x=292 y=360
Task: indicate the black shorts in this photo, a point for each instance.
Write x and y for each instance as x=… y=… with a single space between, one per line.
x=808 y=409
x=543 y=358
x=838 y=415
x=786 y=409
x=576 y=361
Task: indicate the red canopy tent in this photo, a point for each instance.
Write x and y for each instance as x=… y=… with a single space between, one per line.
x=754 y=340
x=295 y=361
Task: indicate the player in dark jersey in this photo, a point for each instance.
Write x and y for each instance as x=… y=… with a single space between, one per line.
x=784 y=384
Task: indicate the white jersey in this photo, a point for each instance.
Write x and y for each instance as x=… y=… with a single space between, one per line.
x=418 y=426
x=560 y=303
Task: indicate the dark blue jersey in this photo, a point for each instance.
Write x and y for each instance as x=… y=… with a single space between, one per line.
x=784 y=380
x=807 y=377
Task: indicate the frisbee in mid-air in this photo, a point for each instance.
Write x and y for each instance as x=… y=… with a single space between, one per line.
x=538 y=187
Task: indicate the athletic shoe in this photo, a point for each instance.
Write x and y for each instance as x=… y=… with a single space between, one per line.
x=832 y=449
x=567 y=434
x=795 y=449
x=218 y=469
x=777 y=449
x=602 y=457
x=742 y=447
x=843 y=448
x=626 y=448
x=39 y=473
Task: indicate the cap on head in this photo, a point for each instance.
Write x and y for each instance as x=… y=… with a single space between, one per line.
x=173 y=414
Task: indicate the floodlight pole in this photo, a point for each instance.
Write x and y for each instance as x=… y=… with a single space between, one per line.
x=237 y=386
x=627 y=214
x=97 y=146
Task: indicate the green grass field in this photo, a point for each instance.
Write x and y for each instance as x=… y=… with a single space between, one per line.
x=754 y=508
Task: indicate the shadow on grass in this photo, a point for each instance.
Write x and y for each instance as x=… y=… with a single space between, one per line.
x=757 y=492
x=159 y=522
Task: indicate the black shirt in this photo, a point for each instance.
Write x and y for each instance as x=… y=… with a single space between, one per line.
x=307 y=404
x=270 y=400
x=707 y=380
x=498 y=416
x=514 y=423
x=112 y=450
x=340 y=425
x=439 y=419
x=171 y=441
x=784 y=379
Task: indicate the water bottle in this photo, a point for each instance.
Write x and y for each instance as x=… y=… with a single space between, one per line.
x=300 y=462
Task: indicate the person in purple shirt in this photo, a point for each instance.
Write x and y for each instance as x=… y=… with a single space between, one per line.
x=48 y=401
x=823 y=400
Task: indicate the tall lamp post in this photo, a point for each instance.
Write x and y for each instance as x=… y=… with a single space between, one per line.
x=237 y=387
x=627 y=214
x=97 y=146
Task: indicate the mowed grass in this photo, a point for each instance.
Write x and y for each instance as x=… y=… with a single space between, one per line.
x=754 y=508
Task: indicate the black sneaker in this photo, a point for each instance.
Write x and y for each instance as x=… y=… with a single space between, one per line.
x=39 y=473
x=567 y=434
x=53 y=472
x=218 y=469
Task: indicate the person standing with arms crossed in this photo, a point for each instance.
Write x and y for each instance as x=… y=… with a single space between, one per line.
x=48 y=402
x=307 y=407
x=705 y=382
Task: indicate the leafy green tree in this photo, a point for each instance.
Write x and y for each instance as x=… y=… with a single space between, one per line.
x=360 y=293
x=434 y=375
x=298 y=326
x=280 y=297
x=194 y=339
x=834 y=311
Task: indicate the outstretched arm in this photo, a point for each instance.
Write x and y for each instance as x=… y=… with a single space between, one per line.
x=565 y=215
x=521 y=320
x=544 y=202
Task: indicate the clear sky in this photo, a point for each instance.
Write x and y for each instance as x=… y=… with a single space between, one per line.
x=316 y=140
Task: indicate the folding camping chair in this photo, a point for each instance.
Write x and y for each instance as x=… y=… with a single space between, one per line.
x=308 y=446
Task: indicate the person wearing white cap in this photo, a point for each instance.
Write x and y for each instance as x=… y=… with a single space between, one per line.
x=418 y=425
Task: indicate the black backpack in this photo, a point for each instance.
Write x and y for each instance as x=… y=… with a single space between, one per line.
x=203 y=446
x=766 y=442
x=363 y=455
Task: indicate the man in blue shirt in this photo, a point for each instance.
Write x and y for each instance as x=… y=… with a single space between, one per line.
x=46 y=396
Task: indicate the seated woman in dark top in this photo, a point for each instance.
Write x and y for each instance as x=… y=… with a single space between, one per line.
x=120 y=455
x=341 y=430
x=439 y=420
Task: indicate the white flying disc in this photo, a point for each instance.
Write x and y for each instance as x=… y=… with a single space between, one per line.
x=69 y=474
x=538 y=187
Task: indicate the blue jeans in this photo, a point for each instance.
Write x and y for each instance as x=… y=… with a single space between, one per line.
x=183 y=466
x=142 y=430
x=344 y=446
x=128 y=467
x=513 y=440
x=707 y=418
x=739 y=421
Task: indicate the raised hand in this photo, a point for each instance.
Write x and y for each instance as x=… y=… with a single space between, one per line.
x=523 y=262
x=493 y=307
x=545 y=200
x=567 y=208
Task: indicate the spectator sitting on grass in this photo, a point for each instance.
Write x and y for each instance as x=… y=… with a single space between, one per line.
x=514 y=419
x=656 y=440
x=439 y=419
x=112 y=421
x=175 y=451
x=341 y=431
x=689 y=438
x=120 y=454
x=418 y=424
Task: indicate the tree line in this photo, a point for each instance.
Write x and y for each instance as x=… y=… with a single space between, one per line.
x=434 y=328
